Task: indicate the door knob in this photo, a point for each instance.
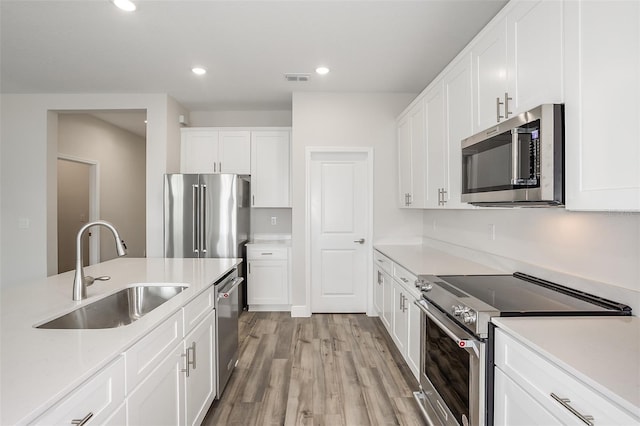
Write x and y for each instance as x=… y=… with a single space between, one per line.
x=360 y=241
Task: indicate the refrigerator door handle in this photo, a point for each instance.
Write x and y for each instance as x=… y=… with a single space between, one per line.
x=196 y=219
x=203 y=218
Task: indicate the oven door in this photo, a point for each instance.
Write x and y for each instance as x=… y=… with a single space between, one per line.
x=451 y=376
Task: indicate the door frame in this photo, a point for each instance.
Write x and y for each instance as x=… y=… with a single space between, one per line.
x=94 y=202
x=309 y=152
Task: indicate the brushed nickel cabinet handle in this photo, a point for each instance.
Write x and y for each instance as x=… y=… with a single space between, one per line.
x=82 y=421
x=498 y=103
x=506 y=105
x=565 y=402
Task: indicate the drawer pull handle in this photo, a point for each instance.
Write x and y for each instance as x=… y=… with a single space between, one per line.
x=266 y=254
x=565 y=402
x=404 y=280
x=82 y=421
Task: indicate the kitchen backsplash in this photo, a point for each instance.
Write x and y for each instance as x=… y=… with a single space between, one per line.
x=262 y=221
x=601 y=247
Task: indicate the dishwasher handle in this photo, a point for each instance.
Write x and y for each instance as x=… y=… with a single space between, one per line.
x=230 y=288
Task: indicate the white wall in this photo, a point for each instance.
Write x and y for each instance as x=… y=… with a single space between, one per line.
x=356 y=120
x=278 y=118
x=602 y=247
x=29 y=148
x=122 y=165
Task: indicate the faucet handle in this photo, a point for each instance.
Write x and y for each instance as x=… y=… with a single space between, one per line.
x=88 y=280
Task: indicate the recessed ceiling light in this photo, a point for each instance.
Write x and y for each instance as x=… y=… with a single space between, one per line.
x=126 y=5
x=322 y=70
x=199 y=70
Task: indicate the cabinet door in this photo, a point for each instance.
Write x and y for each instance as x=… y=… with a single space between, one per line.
x=602 y=94
x=459 y=113
x=267 y=282
x=378 y=290
x=400 y=318
x=387 y=301
x=489 y=76
x=201 y=383
x=413 y=337
x=404 y=161
x=199 y=151
x=417 y=120
x=513 y=406
x=534 y=52
x=270 y=169
x=436 y=164
x=159 y=400
x=235 y=152
x=100 y=396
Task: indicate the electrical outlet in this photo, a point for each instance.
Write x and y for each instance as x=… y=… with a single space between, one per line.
x=274 y=220
x=492 y=232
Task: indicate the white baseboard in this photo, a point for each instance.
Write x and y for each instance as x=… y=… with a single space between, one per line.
x=269 y=308
x=300 y=311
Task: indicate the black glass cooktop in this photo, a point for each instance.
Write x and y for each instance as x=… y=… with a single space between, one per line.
x=521 y=294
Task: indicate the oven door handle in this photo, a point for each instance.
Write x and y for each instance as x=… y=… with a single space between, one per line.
x=463 y=339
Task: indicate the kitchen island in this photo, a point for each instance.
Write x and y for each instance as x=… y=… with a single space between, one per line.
x=40 y=366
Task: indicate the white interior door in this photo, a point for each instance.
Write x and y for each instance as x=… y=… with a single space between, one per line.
x=339 y=224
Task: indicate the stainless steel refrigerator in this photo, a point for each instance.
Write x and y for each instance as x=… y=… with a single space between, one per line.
x=207 y=215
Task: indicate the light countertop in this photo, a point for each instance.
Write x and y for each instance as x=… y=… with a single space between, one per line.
x=270 y=243
x=39 y=367
x=603 y=352
x=424 y=260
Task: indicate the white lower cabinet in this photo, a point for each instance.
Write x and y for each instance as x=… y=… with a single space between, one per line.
x=159 y=399
x=393 y=299
x=267 y=278
x=98 y=400
x=531 y=389
x=200 y=388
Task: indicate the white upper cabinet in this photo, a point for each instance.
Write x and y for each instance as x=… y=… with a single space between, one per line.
x=208 y=150
x=271 y=168
x=602 y=90
x=411 y=156
x=235 y=152
x=436 y=164
x=459 y=119
x=517 y=62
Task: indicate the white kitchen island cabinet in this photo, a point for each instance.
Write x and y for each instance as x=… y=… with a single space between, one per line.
x=133 y=373
x=271 y=168
x=602 y=105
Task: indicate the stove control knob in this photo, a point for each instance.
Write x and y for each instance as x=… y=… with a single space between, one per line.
x=469 y=317
x=458 y=310
x=423 y=285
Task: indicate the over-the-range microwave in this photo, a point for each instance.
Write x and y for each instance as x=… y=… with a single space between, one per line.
x=519 y=162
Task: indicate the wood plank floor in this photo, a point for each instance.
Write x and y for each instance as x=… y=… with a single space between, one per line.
x=329 y=369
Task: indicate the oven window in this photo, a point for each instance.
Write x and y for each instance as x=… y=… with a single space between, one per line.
x=447 y=367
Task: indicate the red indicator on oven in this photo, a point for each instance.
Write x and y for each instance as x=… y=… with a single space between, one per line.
x=462 y=343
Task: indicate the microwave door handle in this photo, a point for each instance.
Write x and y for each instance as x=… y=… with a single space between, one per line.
x=515 y=157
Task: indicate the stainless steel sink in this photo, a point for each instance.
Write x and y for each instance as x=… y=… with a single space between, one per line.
x=116 y=310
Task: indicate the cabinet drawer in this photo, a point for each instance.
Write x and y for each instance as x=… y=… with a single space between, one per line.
x=404 y=276
x=145 y=355
x=539 y=377
x=267 y=253
x=197 y=309
x=100 y=396
x=383 y=262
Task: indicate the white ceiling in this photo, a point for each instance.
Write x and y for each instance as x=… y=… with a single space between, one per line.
x=90 y=46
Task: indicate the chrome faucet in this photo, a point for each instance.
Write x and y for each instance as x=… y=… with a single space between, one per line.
x=80 y=282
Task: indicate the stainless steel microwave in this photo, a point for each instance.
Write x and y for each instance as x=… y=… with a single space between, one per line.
x=519 y=162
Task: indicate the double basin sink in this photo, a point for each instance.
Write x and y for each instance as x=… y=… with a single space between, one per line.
x=118 y=309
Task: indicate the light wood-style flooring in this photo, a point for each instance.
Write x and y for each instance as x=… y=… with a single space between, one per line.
x=329 y=369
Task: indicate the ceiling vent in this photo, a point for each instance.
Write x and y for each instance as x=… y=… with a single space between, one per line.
x=297 y=77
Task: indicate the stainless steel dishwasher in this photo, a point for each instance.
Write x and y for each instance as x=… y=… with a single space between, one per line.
x=226 y=304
